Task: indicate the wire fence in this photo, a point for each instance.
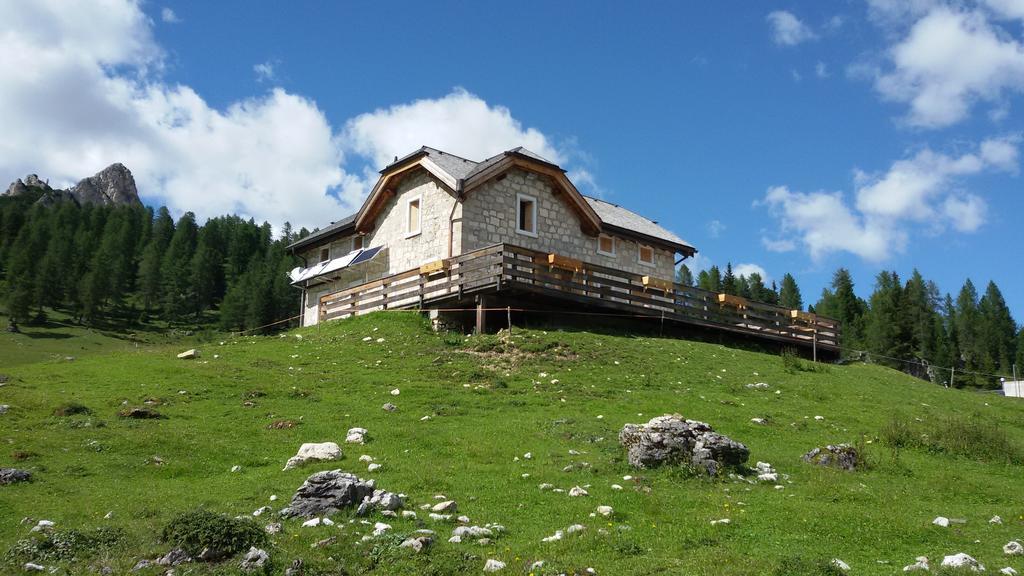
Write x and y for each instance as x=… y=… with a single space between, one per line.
x=922 y=363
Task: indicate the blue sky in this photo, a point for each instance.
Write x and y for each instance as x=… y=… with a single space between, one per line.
x=791 y=136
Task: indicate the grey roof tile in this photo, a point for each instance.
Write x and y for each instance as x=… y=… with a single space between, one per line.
x=618 y=216
x=461 y=168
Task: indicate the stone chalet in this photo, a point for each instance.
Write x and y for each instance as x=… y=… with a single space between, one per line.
x=512 y=233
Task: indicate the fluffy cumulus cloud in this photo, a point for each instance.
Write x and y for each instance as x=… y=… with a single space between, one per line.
x=460 y=123
x=747 y=269
x=916 y=193
x=788 y=30
x=83 y=83
x=946 y=58
x=168 y=15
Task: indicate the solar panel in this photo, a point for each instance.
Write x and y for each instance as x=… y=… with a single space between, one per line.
x=365 y=255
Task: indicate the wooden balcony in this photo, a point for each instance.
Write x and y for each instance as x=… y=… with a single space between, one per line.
x=517 y=273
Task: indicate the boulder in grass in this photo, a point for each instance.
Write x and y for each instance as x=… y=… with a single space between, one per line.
x=189 y=354
x=255 y=559
x=963 y=562
x=13 y=476
x=671 y=439
x=841 y=456
x=327 y=492
x=314 y=451
x=140 y=413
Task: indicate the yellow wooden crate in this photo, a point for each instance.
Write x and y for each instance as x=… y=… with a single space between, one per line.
x=802 y=316
x=564 y=262
x=657 y=283
x=432 y=267
x=730 y=300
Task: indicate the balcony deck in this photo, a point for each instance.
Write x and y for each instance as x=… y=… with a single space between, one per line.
x=512 y=271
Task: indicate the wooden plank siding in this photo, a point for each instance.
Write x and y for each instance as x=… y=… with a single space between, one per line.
x=504 y=267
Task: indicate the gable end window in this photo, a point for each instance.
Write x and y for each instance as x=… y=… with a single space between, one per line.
x=357 y=242
x=526 y=215
x=325 y=253
x=606 y=245
x=414 y=216
x=645 y=255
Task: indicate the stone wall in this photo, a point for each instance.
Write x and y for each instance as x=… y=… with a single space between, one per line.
x=404 y=251
x=490 y=218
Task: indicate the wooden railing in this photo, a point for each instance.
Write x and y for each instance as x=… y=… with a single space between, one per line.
x=504 y=267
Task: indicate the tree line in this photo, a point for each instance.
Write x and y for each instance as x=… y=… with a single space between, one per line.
x=969 y=340
x=130 y=265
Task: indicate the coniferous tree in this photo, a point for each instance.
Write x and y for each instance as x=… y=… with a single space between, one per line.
x=684 y=276
x=997 y=332
x=886 y=330
x=715 y=279
x=150 y=274
x=178 y=298
x=758 y=291
x=729 y=285
x=967 y=321
x=20 y=278
x=704 y=281
x=789 y=293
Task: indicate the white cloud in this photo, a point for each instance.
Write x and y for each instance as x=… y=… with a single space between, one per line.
x=264 y=71
x=747 y=269
x=949 y=60
x=460 y=123
x=83 y=84
x=915 y=193
x=788 y=30
x=168 y=16
x=797 y=77
x=715 y=228
x=966 y=213
x=821 y=70
x=778 y=245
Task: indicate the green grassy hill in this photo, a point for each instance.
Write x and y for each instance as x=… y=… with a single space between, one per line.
x=491 y=399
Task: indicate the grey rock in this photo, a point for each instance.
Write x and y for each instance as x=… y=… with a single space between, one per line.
x=296 y=569
x=142 y=565
x=842 y=456
x=13 y=475
x=389 y=407
x=417 y=543
x=328 y=492
x=173 y=558
x=670 y=439
x=254 y=559
x=111 y=186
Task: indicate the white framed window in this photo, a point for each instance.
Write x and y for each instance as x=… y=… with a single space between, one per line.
x=325 y=254
x=606 y=245
x=645 y=254
x=526 y=215
x=357 y=242
x=413 y=216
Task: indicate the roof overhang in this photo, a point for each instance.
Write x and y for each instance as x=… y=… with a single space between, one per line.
x=684 y=249
x=590 y=222
x=390 y=178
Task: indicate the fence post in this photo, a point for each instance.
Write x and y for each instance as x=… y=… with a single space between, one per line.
x=952 y=373
x=815 y=344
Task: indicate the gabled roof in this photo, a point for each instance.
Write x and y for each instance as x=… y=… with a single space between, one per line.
x=461 y=175
x=615 y=216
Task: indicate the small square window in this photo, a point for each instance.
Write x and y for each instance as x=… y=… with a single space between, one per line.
x=357 y=243
x=526 y=215
x=414 y=217
x=646 y=255
x=325 y=254
x=606 y=245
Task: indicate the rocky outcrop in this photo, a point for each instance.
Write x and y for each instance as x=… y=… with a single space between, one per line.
x=670 y=439
x=114 y=185
x=842 y=456
x=13 y=476
x=332 y=490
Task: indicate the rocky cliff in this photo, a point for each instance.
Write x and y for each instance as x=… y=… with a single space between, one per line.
x=112 y=185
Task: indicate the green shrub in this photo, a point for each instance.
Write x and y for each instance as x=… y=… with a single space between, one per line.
x=799 y=566
x=71 y=409
x=223 y=535
x=65 y=545
x=973 y=437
